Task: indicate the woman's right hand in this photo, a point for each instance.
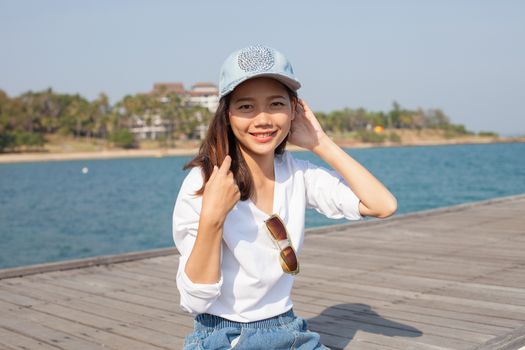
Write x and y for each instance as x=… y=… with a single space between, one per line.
x=221 y=193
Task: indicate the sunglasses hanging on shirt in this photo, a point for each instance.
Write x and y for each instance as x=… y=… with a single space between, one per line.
x=279 y=235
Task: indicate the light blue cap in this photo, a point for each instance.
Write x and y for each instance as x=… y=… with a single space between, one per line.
x=255 y=61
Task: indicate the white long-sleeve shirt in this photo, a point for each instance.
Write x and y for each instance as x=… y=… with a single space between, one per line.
x=252 y=284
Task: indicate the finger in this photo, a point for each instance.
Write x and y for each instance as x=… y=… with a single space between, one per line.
x=308 y=114
x=213 y=172
x=299 y=108
x=225 y=166
x=304 y=105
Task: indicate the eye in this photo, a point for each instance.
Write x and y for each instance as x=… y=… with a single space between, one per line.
x=244 y=107
x=278 y=104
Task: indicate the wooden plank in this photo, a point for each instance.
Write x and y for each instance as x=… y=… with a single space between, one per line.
x=428 y=295
x=378 y=341
x=122 y=295
x=417 y=250
x=81 y=263
x=26 y=322
x=421 y=284
x=466 y=309
x=125 y=300
x=446 y=279
x=345 y=327
x=389 y=315
x=510 y=341
x=13 y=340
x=93 y=335
x=512 y=296
x=485 y=294
x=168 y=274
x=53 y=314
x=155 y=322
x=174 y=315
x=123 y=277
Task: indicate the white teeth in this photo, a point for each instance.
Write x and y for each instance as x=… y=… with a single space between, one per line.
x=263 y=135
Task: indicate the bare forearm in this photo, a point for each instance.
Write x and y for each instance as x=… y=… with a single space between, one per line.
x=203 y=265
x=370 y=190
x=220 y=195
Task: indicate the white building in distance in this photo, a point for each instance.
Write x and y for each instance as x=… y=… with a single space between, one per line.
x=205 y=95
x=201 y=94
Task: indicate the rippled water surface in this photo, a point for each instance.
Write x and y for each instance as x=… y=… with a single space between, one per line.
x=53 y=211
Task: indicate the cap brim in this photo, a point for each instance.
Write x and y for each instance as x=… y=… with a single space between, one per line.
x=291 y=83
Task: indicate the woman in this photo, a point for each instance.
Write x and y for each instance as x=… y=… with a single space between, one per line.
x=238 y=220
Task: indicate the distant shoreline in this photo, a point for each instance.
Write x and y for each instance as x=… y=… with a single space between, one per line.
x=170 y=152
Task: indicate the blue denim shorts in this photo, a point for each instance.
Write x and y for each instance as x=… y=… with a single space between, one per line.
x=284 y=331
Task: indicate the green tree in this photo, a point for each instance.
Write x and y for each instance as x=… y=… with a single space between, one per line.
x=100 y=113
x=123 y=138
x=394 y=115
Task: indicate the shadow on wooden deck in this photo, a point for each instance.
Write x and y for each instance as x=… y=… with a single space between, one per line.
x=353 y=318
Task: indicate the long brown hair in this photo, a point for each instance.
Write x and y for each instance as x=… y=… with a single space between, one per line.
x=221 y=141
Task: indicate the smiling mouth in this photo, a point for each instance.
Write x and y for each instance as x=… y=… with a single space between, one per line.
x=263 y=135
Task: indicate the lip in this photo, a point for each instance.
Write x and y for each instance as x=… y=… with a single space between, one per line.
x=263 y=139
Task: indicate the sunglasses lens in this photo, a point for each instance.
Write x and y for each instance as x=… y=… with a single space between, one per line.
x=289 y=258
x=278 y=231
x=276 y=228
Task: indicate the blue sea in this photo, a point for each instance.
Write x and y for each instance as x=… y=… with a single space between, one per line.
x=54 y=211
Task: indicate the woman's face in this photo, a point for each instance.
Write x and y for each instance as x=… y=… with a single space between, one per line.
x=260 y=115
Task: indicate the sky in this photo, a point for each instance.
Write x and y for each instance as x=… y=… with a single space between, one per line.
x=466 y=57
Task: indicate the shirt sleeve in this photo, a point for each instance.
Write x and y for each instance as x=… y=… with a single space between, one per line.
x=195 y=298
x=328 y=192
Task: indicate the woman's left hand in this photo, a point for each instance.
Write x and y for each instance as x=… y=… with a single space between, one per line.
x=305 y=132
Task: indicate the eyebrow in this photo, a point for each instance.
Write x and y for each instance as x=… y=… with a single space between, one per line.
x=251 y=98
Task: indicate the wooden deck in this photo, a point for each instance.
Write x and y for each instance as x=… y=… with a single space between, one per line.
x=451 y=278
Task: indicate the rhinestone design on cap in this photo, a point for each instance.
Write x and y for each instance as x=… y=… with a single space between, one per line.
x=256 y=58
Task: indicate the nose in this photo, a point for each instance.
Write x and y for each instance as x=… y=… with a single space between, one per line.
x=263 y=118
